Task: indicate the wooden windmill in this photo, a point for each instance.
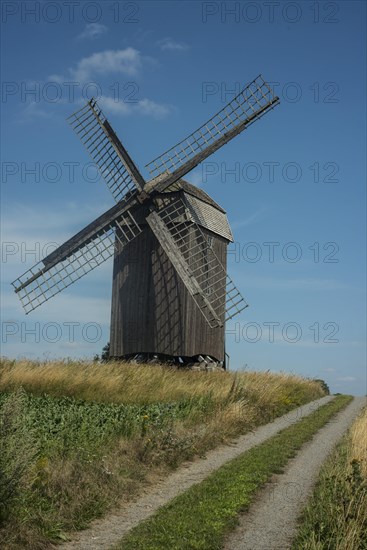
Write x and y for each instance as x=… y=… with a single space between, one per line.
x=171 y=292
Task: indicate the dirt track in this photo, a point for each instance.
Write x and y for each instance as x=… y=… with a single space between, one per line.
x=108 y=531
x=271 y=522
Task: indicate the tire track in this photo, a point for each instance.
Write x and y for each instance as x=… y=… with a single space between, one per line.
x=271 y=522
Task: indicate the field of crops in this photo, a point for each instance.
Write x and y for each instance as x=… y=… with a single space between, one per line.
x=78 y=438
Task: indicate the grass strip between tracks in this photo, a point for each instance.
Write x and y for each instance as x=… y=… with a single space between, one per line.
x=202 y=515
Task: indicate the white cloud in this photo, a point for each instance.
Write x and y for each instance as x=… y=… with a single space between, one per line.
x=127 y=62
x=149 y=107
x=173 y=45
x=31 y=111
x=142 y=106
x=110 y=105
x=59 y=79
x=92 y=31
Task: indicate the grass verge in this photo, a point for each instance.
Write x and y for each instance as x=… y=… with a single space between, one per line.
x=336 y=515
x=199 y=518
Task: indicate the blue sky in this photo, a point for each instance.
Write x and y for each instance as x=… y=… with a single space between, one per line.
x=293 y=185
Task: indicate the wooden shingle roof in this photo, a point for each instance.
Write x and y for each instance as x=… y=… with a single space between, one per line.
x=197 y=192
x=203 y=209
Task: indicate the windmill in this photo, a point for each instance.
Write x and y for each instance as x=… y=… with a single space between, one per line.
x=171 y=291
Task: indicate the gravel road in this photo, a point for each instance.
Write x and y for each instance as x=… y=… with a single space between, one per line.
x=108 y=531
x=271 y=522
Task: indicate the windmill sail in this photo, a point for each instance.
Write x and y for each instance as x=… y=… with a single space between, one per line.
x=106 y=150
x=195 y=261
x=78 y=256
x=248 y=106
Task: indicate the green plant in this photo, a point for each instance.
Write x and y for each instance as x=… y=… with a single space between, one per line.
x=19 y=450
x=105 y=355
x=323 y=385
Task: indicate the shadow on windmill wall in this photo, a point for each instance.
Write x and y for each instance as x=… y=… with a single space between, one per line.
x=147 y=311
x=152 y=311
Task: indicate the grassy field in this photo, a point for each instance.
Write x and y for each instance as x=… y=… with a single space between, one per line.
x=78 y=437
x=336 y=516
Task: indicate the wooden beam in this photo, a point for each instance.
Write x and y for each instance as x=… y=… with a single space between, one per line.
x=159 y=185
x=178 y=261
x=124 y=155
x=90 y=232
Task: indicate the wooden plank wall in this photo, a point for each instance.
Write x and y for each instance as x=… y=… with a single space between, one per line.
x=152 y=312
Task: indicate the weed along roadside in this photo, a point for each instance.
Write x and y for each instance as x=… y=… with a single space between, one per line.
x=78 y=442
x=204 y=514
x=336 y=515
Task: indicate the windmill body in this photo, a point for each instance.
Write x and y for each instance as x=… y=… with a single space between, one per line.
x=152 y=310
x=172 y=294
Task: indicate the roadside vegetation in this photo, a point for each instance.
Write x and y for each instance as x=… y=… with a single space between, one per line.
x=207 y=511
x=336 y=516
x=78 y=438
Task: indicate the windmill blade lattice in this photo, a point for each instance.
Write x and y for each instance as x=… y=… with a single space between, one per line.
x=66 y=265
x=106 y=150
x=248 y=106
x=197 y=264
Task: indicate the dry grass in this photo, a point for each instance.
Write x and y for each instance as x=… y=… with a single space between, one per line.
x=66 y=490
x=358 y=447
x=142 y=384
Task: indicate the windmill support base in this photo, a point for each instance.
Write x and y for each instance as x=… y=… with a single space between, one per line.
x=197 y=362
